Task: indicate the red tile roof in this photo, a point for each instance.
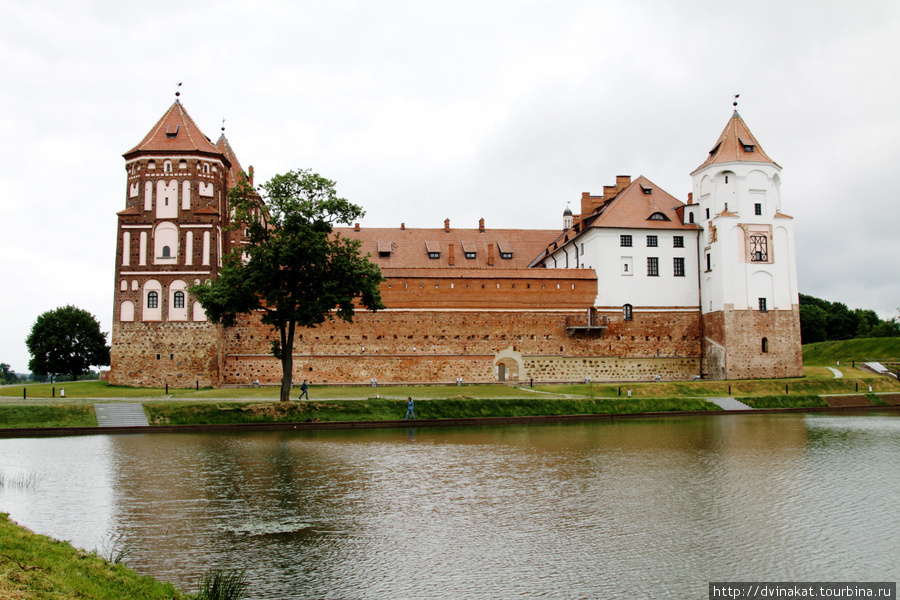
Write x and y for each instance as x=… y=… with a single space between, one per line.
x=408 y=248
x=735 y=145
x=175 y=132
x=225 y=147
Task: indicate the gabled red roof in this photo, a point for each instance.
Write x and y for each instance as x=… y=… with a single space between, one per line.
x=225 y=148
x=175 y=132
x=736 y=144
x=634 y=206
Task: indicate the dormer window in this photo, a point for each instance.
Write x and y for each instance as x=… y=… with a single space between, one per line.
x=646 y=189
x=469 y=250
x=747 y=146
x=172 y=133
x=714 y=150
x=433 y=249
x=505 y=249
x=658 y=216
x=384 y=249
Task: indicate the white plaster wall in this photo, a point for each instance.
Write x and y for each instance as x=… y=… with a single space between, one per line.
x=178 y=314
x=616 y=286
x=185 y=195
x=730 y=279
x=166 y=234
x=152 y=314
x=126 y=248
x=166 y=199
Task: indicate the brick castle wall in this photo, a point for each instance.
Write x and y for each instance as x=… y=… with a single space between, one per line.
x=440 y=346
x=153 y=354
x=742 y=332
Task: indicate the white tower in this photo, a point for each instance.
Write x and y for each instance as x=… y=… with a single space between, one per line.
x=748 y=275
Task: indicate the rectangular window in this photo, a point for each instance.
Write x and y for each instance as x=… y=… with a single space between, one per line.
x=708 y=262
x=625 y=240
x=691 y=217
x=651 y=241
x=707 y=214
x=652 y=266
x=759 y=248
x=679 y=266
x=762 y=305
x=470 y=255
x=757 y=209
x=678 y=241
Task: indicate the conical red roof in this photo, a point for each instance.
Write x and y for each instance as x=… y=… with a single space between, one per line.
x=175 y=132
x=736 y=144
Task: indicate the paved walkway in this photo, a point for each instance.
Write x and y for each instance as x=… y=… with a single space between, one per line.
x=837 y=372
x=121 y=415
x=730 y=404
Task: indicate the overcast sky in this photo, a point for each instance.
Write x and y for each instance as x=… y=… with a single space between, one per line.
x=426 y=110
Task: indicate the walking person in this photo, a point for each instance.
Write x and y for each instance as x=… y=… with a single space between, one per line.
x=410 y=409
x=304 y=391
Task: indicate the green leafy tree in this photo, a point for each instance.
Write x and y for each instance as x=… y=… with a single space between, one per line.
x=813 y=321
x=66 y=340
x=7 y=375
x=294 y=269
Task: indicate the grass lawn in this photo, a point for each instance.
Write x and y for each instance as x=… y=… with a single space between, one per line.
x=36 y=567
x=64 y=415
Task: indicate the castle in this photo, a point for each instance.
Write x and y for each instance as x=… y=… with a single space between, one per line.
x=637 y=286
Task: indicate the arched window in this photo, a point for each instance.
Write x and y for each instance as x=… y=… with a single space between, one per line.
x=167 y=166
x=152 y=300
x=627 y=312
x=151 y=164
x=182 y=164
x=179 y=300
x=206 y=167
x=765 y=345
x=166 y=252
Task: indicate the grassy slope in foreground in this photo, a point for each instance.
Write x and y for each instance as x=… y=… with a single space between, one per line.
x=382 y=409
x=51 y=569
x=847 y=351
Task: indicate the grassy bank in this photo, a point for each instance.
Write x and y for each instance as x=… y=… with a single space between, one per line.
x=36 y=567
x=64 y=415
x=382 y=409
x=885 y=350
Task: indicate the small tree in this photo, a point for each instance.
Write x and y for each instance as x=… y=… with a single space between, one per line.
x=7 y=375
x=66 y=340
x=294 y=268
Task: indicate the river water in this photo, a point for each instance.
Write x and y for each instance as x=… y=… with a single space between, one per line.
x=635 y=508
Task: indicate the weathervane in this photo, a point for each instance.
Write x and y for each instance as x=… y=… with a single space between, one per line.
x=223 y=125
x=177 y=93
x=736 y=96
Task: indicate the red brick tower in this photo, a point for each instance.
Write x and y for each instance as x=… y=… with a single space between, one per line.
x=169 y=236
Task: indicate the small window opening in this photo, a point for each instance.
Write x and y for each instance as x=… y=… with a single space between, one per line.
x=762 y=305
x=627 y=312
x=765 y=345
x=757 y=209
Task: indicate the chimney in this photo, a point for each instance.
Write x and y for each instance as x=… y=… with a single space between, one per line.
x=450 y=256
x=356 y=227
x=250 y=175
x=447 y=225
x=609 y=191
x=481 y=225
x=490 y=255
x=690 y=197
x=622 y=181
x=586 y=207
x=402 y=226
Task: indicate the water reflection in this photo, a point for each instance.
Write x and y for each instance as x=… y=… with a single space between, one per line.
x=631 y=508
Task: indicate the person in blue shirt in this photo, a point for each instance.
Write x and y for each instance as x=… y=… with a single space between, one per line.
x=304 y=391
x=410 y=409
